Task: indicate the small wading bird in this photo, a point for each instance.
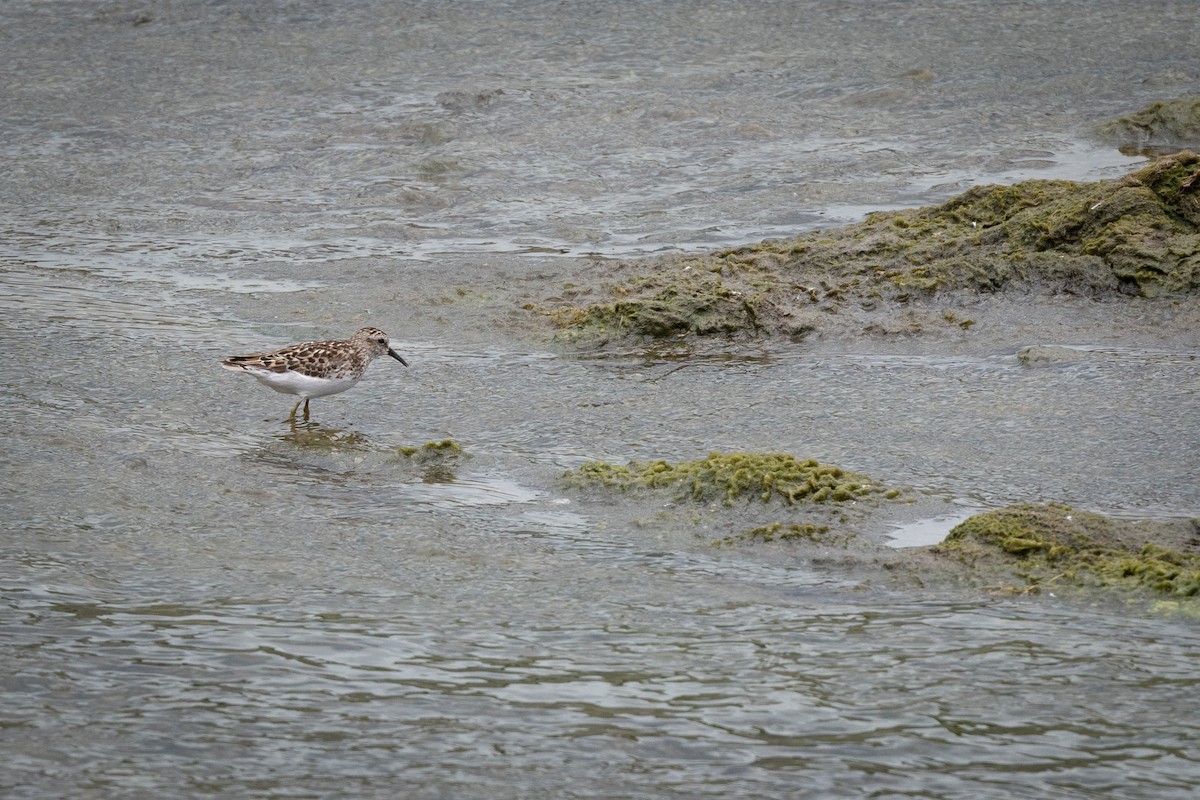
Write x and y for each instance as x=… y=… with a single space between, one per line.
x=315 y=369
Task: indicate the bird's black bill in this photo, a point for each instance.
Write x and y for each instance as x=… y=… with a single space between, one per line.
x=396 y=356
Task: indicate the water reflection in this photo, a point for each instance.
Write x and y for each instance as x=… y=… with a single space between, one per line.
x=312 y=436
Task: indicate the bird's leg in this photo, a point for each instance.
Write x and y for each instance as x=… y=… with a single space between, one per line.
x=305 y=409
x=292 y=416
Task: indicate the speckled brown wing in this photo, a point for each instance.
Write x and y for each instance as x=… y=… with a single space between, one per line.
x=307 y=358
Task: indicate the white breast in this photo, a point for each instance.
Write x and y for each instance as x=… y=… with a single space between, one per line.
x=302 y=385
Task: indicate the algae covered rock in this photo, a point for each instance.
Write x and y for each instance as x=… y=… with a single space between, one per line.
x=730 y=477
x=1138 y=235
x=680 y=296
x=1055 y=546
x=1172 y=123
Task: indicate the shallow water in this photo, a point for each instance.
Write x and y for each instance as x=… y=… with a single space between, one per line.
x=200 y=601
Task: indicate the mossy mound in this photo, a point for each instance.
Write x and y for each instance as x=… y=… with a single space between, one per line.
x=1138 y=235
x=730 y=477
x=1173 y=123
x=1040 y=545
x=695 y=295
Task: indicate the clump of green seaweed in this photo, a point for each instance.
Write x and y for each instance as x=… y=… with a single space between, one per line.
x=438 y=461
x=447 y=449
x=731 y=477
x=1137 y=235
x=1056 y=546
x=780 y=532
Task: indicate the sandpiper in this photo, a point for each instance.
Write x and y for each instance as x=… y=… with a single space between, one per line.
x=315 y=369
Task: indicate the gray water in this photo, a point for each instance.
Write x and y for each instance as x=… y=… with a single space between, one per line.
x=200 y=601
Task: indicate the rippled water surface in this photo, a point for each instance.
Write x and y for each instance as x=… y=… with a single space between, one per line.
x=199 y=601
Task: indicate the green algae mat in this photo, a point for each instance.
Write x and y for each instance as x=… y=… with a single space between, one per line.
x=730 y=477
x=736 y=480
x=1138 y=235
x=1043 y=547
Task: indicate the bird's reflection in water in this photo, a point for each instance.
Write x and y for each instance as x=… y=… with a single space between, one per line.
x=314 y=436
